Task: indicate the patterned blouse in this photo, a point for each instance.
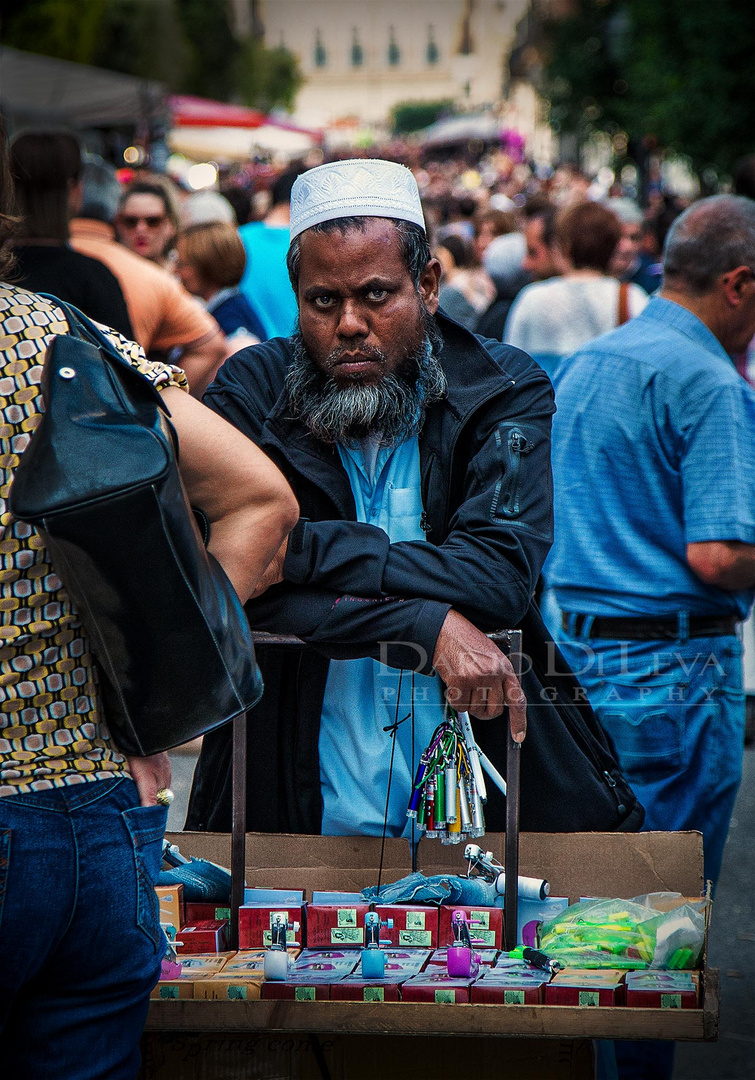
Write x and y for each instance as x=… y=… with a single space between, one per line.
x=51 y=727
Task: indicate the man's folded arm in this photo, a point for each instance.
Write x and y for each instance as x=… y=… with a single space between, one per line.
x=489 y=563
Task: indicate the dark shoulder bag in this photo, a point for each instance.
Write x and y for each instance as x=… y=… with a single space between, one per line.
x=100 y=483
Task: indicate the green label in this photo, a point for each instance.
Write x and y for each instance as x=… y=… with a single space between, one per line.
x=671 y=1001
x=168 y=991
x=479 y=919
x=304 y=993
x=415 y=937
x=347 y=916
x=445 y=997
x=222 y=913
x=236 y=993
x=374 y=993
x=347 y=935
x=589 y=997
x=275 y=915
x=267 y=937
x=486 y=936
x=415 y=920
x=513 y=997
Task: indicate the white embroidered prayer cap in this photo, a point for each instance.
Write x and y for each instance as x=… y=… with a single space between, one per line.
x=355 y=188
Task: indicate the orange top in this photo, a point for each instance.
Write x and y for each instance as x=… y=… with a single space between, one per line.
x=163 y=314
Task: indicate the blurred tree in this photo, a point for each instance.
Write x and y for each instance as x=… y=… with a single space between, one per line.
x=266 y=78
x=678 y=73
x=60 y=28
x=410 y=116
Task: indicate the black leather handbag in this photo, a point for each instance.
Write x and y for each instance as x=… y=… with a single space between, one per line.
x=99 y=481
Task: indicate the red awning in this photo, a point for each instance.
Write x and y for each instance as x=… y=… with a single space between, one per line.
x=189 y=111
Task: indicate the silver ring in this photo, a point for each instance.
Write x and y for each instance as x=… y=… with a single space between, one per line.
x=164 y=796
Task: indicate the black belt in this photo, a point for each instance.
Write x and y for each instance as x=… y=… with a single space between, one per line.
x=648 y=629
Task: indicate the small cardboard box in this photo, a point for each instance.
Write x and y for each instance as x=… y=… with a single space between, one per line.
x=256 y=920
x=194 y=913
x=415 y=926
x=486 y=925
x=339 y=924
x=203 y=965
x=173 y=990
x=355 y=989
x=662 y=989
x=591 y=986
x=210 y=935
x=300 y=991
x=218 y=988
x=500 y=987
x=171 y=901
x=435 y=986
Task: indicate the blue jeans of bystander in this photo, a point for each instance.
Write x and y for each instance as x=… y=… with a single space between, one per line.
x=80 y=937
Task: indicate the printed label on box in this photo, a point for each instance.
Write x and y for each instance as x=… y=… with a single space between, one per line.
x=479 y=919
x=486 y=936
x=671 y=1001
x=374 y=993
x=513 y=997
x=236 y=993
x=415 y=937
x=267 y=937
x=222 y=913
x=347 y=916
x=415 y=920
x=304 y=993
x=589 y=997
x=347 y=935
x=283 y=915
x=168 y=991
x=445 y=997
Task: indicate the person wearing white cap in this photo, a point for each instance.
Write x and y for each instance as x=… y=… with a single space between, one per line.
x=420 y=458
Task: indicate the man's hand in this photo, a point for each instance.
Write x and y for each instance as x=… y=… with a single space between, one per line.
x=150 y=774
x=479 y=678
x=274 y=573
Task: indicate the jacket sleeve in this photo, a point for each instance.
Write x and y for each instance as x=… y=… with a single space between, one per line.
x=400 y=633
x=499 y=532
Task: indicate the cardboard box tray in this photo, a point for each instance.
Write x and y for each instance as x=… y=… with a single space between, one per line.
x=576 y=864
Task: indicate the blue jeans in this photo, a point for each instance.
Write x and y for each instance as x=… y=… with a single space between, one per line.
x=80 y=936
x=675 y=713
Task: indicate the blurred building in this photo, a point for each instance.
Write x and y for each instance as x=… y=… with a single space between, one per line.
x=359 y=58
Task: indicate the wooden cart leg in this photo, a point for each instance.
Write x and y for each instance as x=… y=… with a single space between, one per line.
x=511 y=853
x=238 y=825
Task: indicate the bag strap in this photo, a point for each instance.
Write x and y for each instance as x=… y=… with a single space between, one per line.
x=623 y=313
x=81 y=327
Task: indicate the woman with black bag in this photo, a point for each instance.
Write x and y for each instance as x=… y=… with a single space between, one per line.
x=81 y=825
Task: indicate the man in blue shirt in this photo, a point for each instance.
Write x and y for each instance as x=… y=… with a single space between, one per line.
x=653 y=563
x=265 y=282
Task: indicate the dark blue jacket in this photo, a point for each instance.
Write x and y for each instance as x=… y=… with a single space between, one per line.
x=487 y=494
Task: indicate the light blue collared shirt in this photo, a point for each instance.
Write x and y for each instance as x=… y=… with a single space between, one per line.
x=653 y=449
x=360 y=695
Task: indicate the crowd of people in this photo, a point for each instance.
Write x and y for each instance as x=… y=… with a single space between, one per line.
x=394 y=342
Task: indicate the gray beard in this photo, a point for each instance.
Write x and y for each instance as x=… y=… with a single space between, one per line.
x=394 y=408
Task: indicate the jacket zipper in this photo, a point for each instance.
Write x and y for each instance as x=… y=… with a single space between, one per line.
x=517 y=447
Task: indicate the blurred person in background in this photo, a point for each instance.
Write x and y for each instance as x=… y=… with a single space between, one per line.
x=488 y=225
x=543 y=257
x=211 y=262
x=203 y=206
x=504 y=261
x=552 y=319
x=466 y=289
x=265 y=283
x=630 y=262
x=148 y=221
x=46 y=168
x=165 y=318
x=81 y=826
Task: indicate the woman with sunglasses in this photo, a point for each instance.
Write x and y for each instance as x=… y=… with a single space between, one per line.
x=147 y=221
